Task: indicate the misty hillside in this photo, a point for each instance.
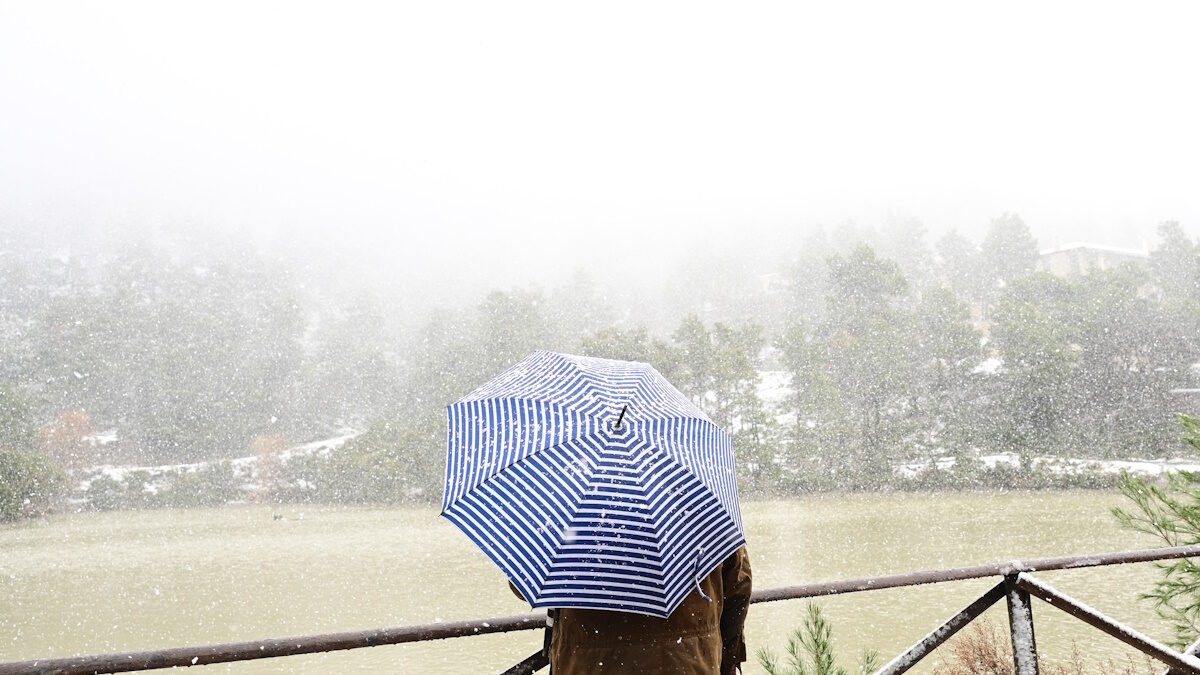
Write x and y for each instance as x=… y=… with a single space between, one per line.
x=882 y=350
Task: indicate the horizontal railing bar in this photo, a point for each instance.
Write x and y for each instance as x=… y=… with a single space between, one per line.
x=973 y=572
x=261 y=649
x=309 y=644
x=1143 y=643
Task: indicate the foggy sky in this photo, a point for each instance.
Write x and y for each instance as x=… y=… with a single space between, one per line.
x=508 y=141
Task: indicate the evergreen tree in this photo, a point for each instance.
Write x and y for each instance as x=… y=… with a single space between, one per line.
x=1175 y=263
x=1008 y=252
x=510 y=326
x=815 y=448
x=904 y=242
x=809 y=279
x=1171 y=514
x=1031 y=400
x=635 y=344
x=944 y=348
x=864 y=331
x=1129 y=354
x=958 y=267
x=810 y=651
x=351 y=374
x=29 y=482
x=190 y=356
x=851 y=376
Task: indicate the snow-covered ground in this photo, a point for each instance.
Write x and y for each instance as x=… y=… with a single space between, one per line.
x=774 y=387
x=242 y=466
x=1062 y=465
x=101 y=438
x=989 y=366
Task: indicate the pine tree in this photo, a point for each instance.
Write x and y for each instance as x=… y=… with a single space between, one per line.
x=1170 y=513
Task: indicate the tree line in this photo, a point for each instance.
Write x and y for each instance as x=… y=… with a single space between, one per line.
x=895 y=352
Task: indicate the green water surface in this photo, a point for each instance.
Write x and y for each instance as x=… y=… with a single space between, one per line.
x=99 y=582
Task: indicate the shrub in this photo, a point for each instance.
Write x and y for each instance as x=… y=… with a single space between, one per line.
x=391 y=463
x=810 y=651
x=29 y=483
x=105 y=493
x=984 y=649
x=29 y=480
x=212 y=485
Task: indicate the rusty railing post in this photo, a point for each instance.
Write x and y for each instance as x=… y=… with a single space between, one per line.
x=1185 y=663
x=1020 y=623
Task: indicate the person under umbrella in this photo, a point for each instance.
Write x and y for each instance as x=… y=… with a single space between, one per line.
x=704 y=635
x=608 y=497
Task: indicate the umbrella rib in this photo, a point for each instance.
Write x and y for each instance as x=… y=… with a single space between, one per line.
x=572 y=506
x=557 y=407
x=641 y=481
x=657 y=553
x=559 y=360
x=485 y=391
x=671 y=457
x=696 y=531
x=594 y=458
x=513 y=463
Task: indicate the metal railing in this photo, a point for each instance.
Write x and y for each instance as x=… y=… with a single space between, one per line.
x=1017 y=587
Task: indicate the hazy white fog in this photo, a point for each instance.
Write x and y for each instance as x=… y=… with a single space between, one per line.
x=502 y=142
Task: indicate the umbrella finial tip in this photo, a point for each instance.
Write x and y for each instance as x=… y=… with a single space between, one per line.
x=621 y=416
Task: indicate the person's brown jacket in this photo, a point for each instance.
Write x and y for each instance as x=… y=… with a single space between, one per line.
x=699 y=638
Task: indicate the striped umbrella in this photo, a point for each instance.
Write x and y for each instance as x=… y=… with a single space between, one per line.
x=592 y=484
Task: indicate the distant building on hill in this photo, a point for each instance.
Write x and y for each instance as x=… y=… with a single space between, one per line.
x=1079 y=258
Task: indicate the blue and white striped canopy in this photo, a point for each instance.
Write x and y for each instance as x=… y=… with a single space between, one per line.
x=580 y=512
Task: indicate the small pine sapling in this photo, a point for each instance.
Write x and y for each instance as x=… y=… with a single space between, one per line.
x=810 y=651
